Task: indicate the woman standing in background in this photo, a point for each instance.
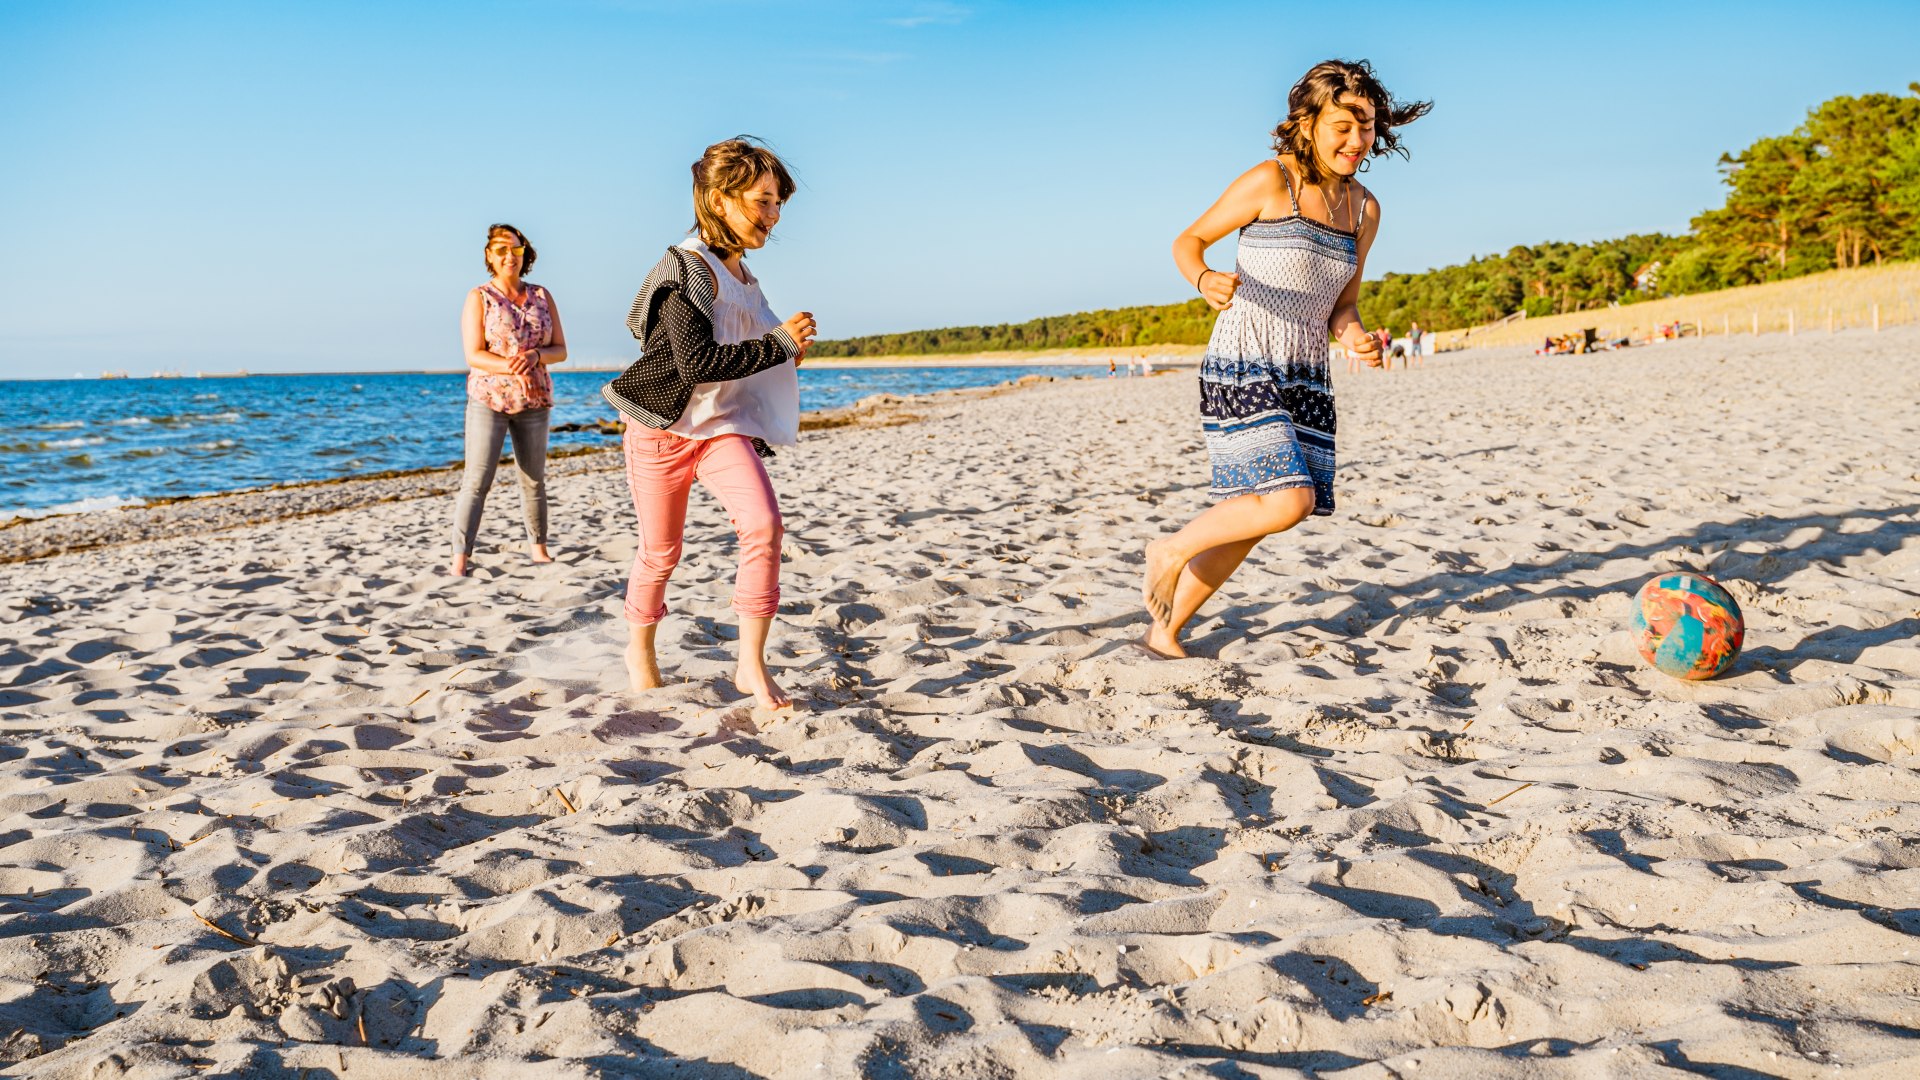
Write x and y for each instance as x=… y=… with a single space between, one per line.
x=511 y=333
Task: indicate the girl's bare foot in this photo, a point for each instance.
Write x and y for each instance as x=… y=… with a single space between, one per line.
x=1161 y=579
x=459 y=567
x=754 y=678
x=1162 y=643
x=539 y=553
x=643 y=669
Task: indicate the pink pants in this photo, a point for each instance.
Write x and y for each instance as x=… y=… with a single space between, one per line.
x=661 y=469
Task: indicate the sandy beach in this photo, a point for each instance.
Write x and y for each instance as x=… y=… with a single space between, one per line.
x=281 y=799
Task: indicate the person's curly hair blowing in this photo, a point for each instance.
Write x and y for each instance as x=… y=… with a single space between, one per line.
x=1325 y=84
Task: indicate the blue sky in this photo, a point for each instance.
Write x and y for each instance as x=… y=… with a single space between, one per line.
x=208 y=186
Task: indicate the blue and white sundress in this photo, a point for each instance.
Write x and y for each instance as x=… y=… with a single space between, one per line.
x=1266 y=392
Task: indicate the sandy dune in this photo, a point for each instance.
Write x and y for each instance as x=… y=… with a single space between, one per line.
x=282 y=800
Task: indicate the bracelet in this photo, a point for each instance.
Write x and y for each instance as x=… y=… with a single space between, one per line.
x=1201 y=276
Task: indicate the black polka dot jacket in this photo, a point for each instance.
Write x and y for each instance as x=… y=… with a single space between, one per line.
x=672 y=318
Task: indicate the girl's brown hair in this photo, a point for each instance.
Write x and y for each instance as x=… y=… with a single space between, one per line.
x=1323 y=85
x=496 y=229
x=727 y=169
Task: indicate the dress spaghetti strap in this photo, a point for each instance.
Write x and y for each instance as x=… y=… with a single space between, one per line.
x=1287 y=179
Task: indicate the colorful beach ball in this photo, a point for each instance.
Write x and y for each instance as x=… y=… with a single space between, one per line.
x=1687 y=625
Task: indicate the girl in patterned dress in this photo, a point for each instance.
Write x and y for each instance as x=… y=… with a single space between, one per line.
x=1266 y=396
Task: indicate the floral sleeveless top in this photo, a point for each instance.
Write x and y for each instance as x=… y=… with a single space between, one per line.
x=513 y=329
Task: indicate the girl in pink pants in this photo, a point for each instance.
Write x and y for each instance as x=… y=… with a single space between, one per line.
x=661 y=469
x=715 y=384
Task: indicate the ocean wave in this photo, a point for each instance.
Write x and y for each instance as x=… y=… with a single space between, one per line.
x=227 y=416
x=81 y=506
x=51 y=444
x=140 y=452
x=57 y=425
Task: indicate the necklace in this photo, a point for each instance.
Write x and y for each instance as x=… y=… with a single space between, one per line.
x=1332 y=206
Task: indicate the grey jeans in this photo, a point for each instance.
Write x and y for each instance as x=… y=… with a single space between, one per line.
x=486 y=430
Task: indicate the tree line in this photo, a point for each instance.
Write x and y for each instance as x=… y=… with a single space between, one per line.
x=1119 y=328
x=1841 y=190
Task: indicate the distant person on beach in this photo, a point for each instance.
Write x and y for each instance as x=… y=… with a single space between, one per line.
x=716 y=383
x=511 y=333
x=1387 y=348
x=1266 y=397
x=1415 y=339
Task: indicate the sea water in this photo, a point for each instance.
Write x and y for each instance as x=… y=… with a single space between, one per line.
x=84 y=444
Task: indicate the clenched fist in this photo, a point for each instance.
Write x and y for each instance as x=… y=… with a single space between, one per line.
x=1217 y=288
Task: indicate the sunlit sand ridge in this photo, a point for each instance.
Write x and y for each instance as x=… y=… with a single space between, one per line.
x=1838 y=299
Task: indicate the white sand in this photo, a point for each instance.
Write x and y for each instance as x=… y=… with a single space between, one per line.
x=1003 y=844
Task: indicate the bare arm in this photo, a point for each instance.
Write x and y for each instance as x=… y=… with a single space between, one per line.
x=473 y=339
x=1244 y=200
x=555 y=350
x=1346 y=310
x=1344 y=323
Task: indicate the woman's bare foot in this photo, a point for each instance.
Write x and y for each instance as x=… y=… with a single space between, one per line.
x=1162 y=577
x=539 y=553
x=1163 y=643
x=754 y=678
x=459 y=567
x=643 y=668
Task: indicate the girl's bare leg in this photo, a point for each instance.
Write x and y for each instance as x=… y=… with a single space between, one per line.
x=643 y=668
x=1244 y=517
x=1201 y=578
x=753 y=676
x=459 y=567
x=538 y=552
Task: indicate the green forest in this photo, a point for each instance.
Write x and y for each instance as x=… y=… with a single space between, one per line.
x=1841 y=190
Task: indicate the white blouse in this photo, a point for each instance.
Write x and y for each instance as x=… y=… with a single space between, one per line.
x=763 y=406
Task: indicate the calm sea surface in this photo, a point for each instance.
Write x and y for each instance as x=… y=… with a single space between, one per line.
x=85 y=444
